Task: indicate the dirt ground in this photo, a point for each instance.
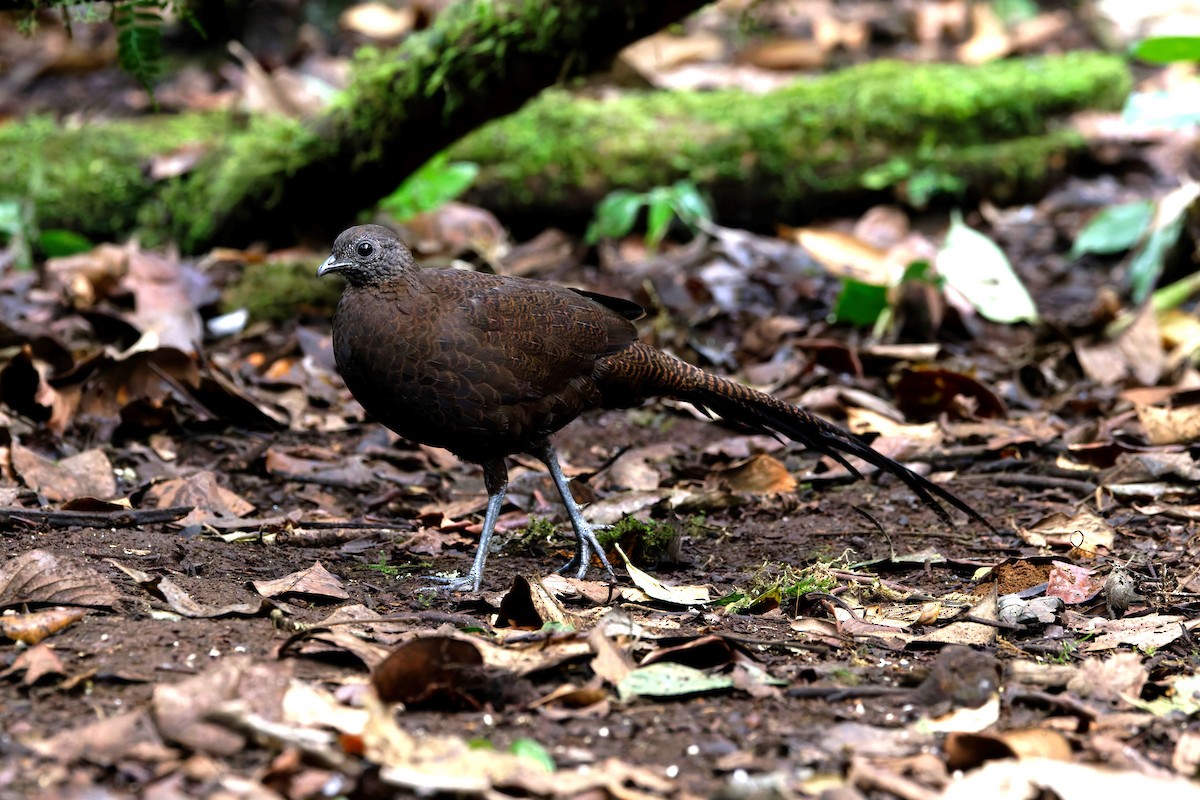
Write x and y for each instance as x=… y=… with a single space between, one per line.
x=820 y=720
x=215 y=573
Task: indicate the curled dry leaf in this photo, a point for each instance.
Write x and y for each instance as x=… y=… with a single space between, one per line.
x=704 y=652
x=926 y=393
x=675 y=595
x=39 y=576
x=530 y=604
x=759 y=474
x=182 y=603
x=437 y=671
x=34 y=626
x=965 y=751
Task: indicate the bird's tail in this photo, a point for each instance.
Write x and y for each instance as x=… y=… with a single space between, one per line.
x=641 y=371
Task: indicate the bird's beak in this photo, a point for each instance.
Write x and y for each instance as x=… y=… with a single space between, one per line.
x=331 y=265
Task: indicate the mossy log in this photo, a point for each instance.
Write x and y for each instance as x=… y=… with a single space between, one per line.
x=913 y=132
x=886 y=129
x=275 y=179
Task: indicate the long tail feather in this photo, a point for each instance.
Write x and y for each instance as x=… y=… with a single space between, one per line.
x=642 y=371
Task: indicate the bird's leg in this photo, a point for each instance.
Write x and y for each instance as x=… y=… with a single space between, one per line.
x=585 y=533
x=495 y=478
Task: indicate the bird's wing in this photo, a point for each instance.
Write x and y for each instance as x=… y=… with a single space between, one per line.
x=539 y=337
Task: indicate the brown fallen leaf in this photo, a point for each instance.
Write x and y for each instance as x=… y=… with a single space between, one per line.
x=34 y=626
x=201 y=491
x=37 y=662
x=760 y=474
x=166 y=293
x=925 y=393
x=180 y=709
x=89 y=473
x=106 y=741
x=40 y=576
x=316 y=582
x=431 y=672
x=182 y=603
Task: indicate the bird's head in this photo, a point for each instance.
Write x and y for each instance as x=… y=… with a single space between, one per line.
x=368 y=254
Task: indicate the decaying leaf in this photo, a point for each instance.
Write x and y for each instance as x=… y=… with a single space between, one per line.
x=431 y=672
x=671 y=680
x=39 y=576
x=316 y=582
x=182 y=603
x=35 y=663
x=676 y=595
x=208 y=498
x=86 y=474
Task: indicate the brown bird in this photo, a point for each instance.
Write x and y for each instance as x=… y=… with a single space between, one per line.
x=488 y=366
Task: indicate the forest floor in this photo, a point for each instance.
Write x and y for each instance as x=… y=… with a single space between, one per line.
x=213 y=565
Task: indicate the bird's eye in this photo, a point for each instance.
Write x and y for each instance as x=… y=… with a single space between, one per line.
x=365 y=249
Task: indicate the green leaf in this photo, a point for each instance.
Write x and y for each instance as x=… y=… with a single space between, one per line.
x=976 y=267
x=1115 y=229
x=1147 y=263
x=529 y=748
x=1168 y=49
x=860 y=304
x=929 y=182
x=666 y=679
x=922 y=271
x=658 y=219
x=689 y=203
x=58 y=242
x=1167 y=226
x=436 y=183
x=615 y=215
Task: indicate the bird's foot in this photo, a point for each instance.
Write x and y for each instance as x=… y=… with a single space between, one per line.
x=586 y=543
x=457 y=583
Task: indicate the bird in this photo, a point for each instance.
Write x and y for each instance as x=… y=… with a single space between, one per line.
x=489 y=366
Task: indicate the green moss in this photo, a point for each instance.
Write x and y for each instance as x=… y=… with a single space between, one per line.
x=274 y=291
x=532 y=539
x=827 y=135
x=94 y=182
x=644 y=542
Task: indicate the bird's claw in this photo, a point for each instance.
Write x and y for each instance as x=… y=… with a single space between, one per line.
x=447 y=583
x=585 y=544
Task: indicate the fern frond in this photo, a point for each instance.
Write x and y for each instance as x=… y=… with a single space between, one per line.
x=139 y=38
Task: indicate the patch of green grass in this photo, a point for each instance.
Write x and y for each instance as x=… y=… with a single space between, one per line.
x=384 y=568
x=777 y=585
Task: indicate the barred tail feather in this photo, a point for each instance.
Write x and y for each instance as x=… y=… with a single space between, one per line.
x=642 y=371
